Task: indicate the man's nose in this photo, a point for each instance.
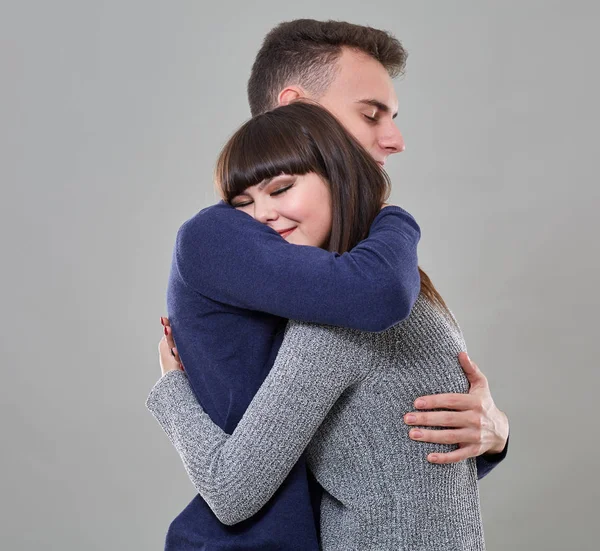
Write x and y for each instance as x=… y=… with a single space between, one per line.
x=391 y=139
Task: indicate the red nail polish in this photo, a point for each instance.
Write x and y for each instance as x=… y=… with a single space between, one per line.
x=166 y=332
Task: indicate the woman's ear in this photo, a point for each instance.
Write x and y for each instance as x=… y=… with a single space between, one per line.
x=290 y=94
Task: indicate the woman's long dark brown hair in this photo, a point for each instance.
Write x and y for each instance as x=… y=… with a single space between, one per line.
x=304 y=137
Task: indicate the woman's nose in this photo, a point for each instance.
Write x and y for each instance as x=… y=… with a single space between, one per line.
x=265 y=212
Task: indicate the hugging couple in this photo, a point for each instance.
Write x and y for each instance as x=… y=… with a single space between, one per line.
x=314 y=382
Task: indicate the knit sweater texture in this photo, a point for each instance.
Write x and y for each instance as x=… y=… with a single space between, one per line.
x=340 y=394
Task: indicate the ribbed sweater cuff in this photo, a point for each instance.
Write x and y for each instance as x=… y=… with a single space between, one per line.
x=166 y=395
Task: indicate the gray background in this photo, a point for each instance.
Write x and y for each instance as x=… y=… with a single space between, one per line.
x=112 y=115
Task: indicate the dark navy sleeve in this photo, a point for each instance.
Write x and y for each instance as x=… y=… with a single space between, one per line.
x=227 y=256
x=485 y=463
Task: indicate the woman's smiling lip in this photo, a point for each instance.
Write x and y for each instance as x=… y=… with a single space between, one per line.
x=285 y=233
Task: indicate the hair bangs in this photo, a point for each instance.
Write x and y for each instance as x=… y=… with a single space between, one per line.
x=265 y=147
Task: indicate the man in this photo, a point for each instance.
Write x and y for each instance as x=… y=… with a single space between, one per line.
x=347 y=69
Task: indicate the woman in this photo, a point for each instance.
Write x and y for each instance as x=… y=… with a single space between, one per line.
x=338 y=393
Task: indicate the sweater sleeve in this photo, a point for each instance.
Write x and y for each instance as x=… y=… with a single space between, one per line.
x=227 y=256
x=485 y=463
x=237 y=474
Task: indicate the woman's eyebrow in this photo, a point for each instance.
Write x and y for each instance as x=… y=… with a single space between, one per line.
x=379 y=105
x=267 y=181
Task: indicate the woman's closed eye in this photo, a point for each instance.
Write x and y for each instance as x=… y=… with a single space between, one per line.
x=370 y=119
x=277 y=192
x=282 y=190
x=238 y=205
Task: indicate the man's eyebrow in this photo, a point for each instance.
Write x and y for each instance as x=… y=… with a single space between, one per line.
x=381 y=106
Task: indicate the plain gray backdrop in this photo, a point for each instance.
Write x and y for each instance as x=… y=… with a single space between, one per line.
x=112 y=115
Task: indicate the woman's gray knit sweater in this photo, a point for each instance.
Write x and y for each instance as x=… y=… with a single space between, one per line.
x=341 y=395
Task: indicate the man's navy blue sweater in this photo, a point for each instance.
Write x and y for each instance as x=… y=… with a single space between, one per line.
x=234 y=283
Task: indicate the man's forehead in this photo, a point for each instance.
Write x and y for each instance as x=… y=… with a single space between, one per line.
x=360 y=81
x=365 y=76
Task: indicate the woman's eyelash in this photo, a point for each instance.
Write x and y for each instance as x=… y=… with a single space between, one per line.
x=279 y=191
x=372 y=119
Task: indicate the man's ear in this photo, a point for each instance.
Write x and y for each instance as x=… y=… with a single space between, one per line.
x=290 y=94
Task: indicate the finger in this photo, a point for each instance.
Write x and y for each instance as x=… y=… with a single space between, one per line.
x=173 y=352
x=474 y=375
x=163 y=350
x=175 y=355
x=167 y=360
x=448 y=436
x=169 y=334
x=439 y=419
x=459 y=402
x=163 y=347
x=452 y=457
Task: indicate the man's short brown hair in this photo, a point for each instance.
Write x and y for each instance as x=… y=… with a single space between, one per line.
x=304 y=52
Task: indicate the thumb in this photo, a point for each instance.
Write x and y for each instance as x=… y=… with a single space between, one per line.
x=474 y=375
